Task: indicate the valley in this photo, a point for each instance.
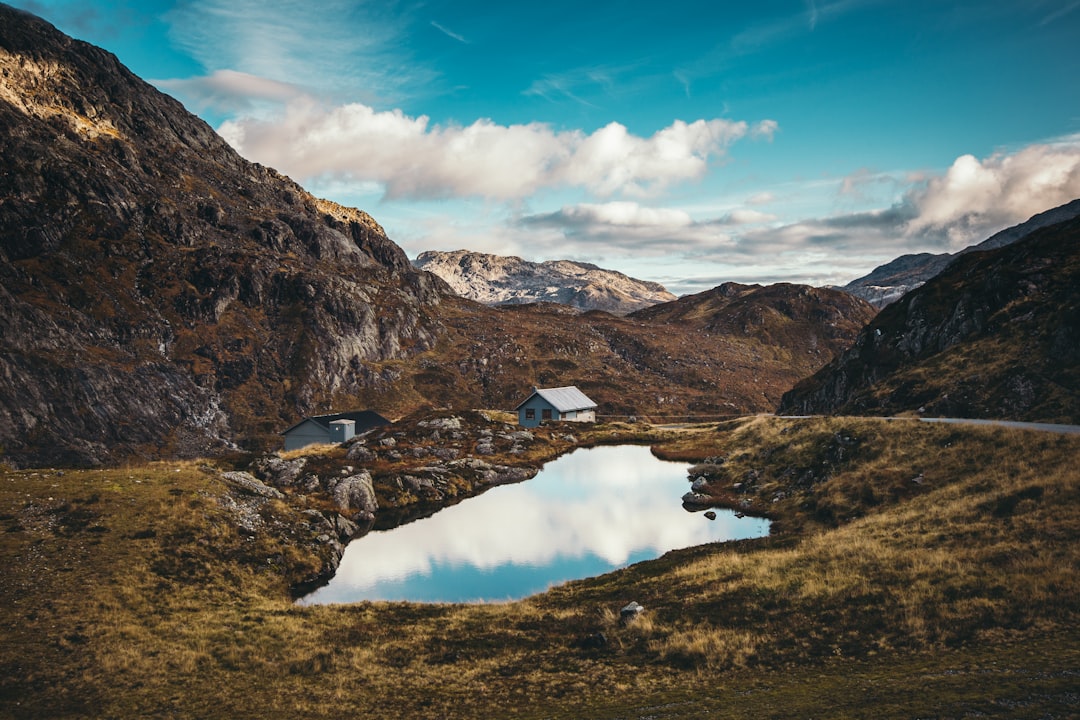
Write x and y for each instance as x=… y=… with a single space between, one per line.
x=168 y=307
x=911 y=564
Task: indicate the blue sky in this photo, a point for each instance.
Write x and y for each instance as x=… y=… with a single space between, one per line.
x=689 y=143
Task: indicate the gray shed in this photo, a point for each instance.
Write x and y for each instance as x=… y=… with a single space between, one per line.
x=336 y=428
x=562 y=403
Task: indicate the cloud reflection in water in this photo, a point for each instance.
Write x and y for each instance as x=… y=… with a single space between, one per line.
x=585 y=514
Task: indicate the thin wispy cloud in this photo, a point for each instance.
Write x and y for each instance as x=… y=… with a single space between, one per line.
x=761 y=37
x=1060 y=13
x=580 y=84
x=449 y=33
x=231 y=91
x=365 y=56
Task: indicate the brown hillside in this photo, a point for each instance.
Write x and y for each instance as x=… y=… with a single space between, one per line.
x=996 y=335
x=684 y=358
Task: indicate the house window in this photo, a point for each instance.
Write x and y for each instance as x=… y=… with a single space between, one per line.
x=530 y=413
x=545 y=414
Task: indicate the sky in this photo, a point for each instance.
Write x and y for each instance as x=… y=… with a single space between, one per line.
x=688 y=143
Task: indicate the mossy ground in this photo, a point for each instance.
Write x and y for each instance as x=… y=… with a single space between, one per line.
x=127 y=592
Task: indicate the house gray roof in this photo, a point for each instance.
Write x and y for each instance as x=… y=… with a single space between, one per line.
x=364 y=419
x=563 y=399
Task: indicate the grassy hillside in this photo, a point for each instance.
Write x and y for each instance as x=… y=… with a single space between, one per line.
x=917 y=570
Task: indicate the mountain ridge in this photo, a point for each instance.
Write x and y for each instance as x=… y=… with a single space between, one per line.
x=887 y=283
x=498 y=279
x=994 y=335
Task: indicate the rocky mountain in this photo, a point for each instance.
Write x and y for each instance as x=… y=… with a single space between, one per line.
x=159 y=292
x=994 y=335
x=498 y=280
x=161 y=296
x=889 y=282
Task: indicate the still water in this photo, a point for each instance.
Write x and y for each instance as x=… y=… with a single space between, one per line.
x=584 y=514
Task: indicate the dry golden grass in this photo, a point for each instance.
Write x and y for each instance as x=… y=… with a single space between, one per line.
x=129 y=593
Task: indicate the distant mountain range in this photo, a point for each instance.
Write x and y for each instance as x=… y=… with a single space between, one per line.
x=996 y=334
x=889 y=282
x=499 y=280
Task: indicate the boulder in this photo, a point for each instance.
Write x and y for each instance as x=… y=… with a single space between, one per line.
x=450 y=423
x=250 y=484
x=355 y=495
x=277 y=471
x=360 y=453
x=630 y=612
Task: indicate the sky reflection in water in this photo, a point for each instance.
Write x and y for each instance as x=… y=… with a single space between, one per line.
x=585 y=514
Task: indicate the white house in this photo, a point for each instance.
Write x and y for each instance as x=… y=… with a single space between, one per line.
x=562 y=403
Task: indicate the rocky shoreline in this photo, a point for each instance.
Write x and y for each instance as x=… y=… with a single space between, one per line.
x=387 y=477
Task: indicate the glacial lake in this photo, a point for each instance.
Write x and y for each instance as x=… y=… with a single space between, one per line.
x=584 y=514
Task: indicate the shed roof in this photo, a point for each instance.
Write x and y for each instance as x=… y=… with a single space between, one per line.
x=364 y=420
x=563 y=399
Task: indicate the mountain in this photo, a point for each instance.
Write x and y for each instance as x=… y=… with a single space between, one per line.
x=730 y=351
x=815 y=320
x=994 y=335
x=161 y=296
x=889 y=282
x=498 y=280
x=159 y=293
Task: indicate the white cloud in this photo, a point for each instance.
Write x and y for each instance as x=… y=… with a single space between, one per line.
x=765 y=129
x=747 y=217
x=231 y=91
x=626 y=214
x=975 y=198
x=964 y=205
x=413 y=158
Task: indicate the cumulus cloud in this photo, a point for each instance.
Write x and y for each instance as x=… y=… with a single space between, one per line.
x=946 y=212
x=766 y=129
x=414 y=158
x=976 y=198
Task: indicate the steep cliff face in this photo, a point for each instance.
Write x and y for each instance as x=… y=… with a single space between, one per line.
x=889 y=282
x=159 y=293
x=995 y=335
x=498 y=280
